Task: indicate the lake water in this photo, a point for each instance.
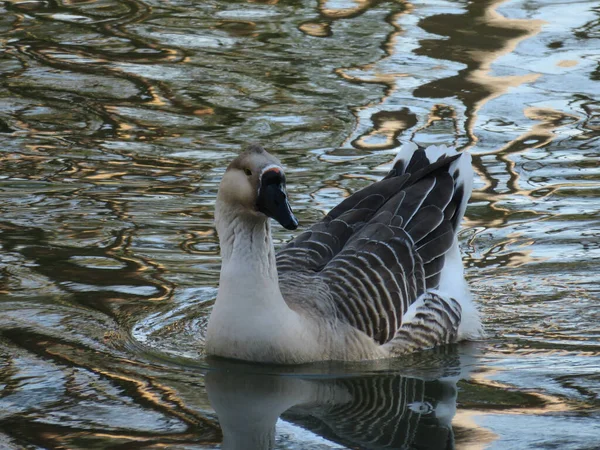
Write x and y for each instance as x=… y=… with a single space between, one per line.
x=117 y=119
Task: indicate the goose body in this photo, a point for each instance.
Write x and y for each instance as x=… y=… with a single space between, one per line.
x=381 y=275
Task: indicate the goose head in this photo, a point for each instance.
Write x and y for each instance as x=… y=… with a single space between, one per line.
x=254 y=185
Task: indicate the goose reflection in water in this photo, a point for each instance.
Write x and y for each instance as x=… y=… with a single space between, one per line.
x=372 y=411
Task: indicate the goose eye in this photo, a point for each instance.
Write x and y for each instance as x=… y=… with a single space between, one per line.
x=248 y=172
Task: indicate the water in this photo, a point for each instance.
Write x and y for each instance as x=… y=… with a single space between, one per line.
x=117 y=118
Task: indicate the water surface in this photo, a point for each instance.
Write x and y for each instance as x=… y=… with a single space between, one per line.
x=117 y=120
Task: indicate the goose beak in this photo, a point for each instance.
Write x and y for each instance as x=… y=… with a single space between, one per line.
x=272 y=199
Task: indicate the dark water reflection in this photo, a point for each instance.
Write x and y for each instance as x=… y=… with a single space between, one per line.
x=378 y=409
x=117 y=118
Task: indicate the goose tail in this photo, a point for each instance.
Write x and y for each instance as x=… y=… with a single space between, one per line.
x=452 y=282
x=460 y=169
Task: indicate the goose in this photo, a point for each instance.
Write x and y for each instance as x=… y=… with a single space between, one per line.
x=378 y=277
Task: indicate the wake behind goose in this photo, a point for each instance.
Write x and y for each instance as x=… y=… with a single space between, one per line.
x=379 y=276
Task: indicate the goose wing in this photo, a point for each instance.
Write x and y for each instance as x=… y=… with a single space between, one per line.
x=383 y=247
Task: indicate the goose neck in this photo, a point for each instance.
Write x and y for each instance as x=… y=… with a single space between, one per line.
x=246 y=246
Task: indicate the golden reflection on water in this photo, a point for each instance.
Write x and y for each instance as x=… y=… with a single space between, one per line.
x=474 y=436
x=474 y=87
x=137 y=383
x=539 y=135
x=397 y=121
x=351 y=8
x=496 y=36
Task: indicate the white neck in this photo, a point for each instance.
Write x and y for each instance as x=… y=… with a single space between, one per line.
x=250 y=319
x=246 y=246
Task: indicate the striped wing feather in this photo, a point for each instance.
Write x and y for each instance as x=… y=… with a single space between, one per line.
x=383 y=247
x=435 y=322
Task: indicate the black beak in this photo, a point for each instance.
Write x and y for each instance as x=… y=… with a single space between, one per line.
x=272 y=199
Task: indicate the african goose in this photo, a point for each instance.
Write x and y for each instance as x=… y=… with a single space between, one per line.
x=380 y=276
